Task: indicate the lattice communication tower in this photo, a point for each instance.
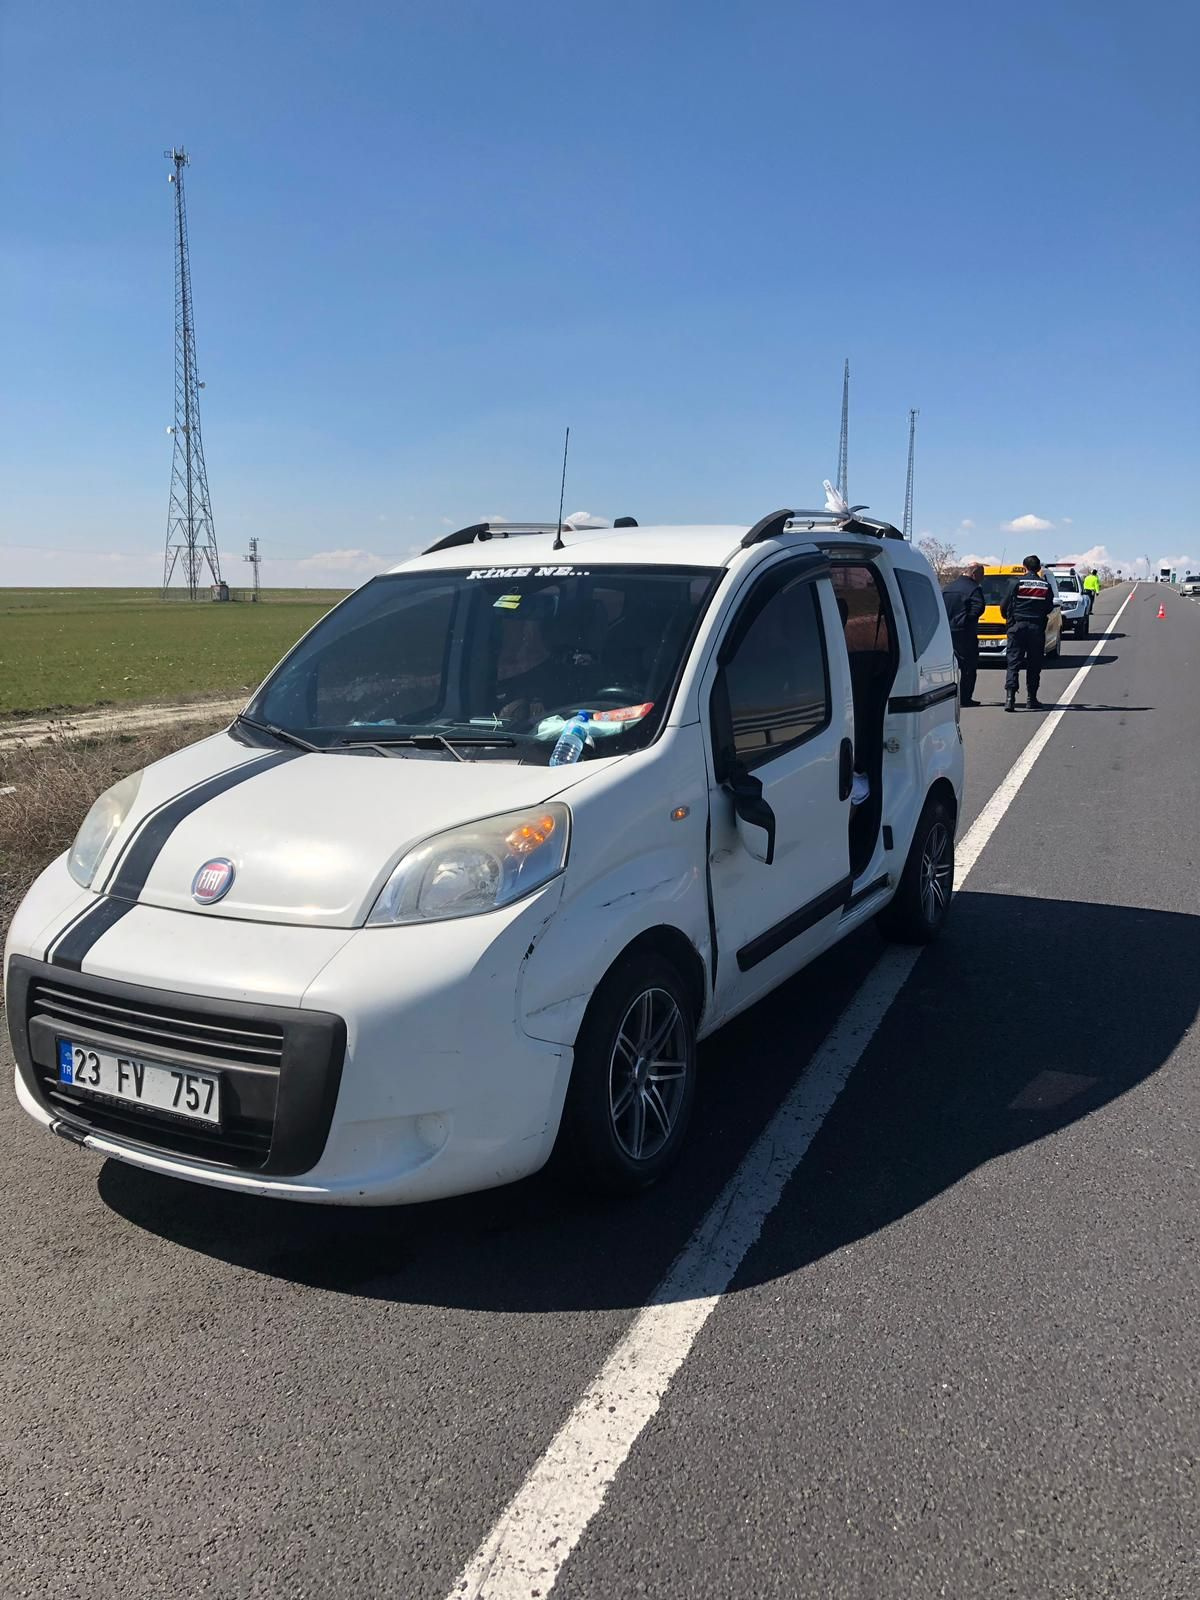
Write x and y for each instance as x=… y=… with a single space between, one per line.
x=906 y=530
x=191 y=541
x=844 y=441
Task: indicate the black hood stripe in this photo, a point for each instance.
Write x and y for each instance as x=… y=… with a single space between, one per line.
x=62 y=932
x=73 y=945
x=70 y=946
x=144 y=821
x=135 y=866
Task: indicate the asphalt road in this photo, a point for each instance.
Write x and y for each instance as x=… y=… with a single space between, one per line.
x=962 y=1358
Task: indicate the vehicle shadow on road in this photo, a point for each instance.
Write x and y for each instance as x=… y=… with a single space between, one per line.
x=1058 y=663
x=968 y=1065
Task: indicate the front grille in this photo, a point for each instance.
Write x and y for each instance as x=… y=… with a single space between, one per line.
x=279 y=1067
x=993 y=627
x=157 y=1027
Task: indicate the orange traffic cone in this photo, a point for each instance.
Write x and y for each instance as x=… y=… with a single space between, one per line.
x=1162 y=609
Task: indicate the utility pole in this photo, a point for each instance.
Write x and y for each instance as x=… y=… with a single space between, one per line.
x=191 y=541
x=255 y=558
x=908 y=483
x=843 y=443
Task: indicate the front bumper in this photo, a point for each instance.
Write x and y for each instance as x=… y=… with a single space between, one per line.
x=403 y=1073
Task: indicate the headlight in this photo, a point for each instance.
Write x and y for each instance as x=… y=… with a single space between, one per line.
x=99 y=827
x=476 y=868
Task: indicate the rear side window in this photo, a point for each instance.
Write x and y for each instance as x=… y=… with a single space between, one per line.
x=922 y=606
x=777 y=679
x=864 y=612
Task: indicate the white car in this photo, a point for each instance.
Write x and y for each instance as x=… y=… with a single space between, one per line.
x=369 y=945
x=1191 y=585
x=1072 y=599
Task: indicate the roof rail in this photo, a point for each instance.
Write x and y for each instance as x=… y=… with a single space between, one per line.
x=770 y=527
x=491 y=530
x=478 y=531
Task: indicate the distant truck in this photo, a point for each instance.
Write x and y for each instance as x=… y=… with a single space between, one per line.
x=1072 y=598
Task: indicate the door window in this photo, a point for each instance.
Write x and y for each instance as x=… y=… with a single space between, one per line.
x=864 y=610
x=922 y=606
x=777 y=679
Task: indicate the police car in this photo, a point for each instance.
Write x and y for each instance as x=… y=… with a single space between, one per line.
x=1072 y=599
x=376 y=943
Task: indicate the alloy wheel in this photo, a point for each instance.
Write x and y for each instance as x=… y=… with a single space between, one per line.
x=937 y=873
x=647 y=1074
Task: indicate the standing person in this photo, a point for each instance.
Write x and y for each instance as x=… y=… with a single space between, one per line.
x=1025 y=609
x=964 y=607
x=1091 y=587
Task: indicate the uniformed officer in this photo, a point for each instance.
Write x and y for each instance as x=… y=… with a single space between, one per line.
x=964 y=607
x=1025 y=609
x=1091 y=587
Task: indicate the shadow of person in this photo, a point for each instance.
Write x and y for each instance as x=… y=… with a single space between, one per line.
x=1062 y=662
x=947 y=1084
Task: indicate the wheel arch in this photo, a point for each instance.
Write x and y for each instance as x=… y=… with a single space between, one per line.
x=941 y=789
x=675 y=946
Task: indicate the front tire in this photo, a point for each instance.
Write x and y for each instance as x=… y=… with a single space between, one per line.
x=921 y=904
x=633 y=1081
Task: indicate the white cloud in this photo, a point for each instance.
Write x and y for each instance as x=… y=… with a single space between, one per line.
x=345 y=563
x=1026 y=524
x=984 y=561
x=966 y=525
x=1067 y=521
x=1097 y=556
x=24 y=566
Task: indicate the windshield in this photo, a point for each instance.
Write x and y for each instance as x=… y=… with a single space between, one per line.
x=1066 y=581
x=997 y=586
x=506 y=653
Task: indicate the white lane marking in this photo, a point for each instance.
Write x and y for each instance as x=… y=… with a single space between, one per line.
x=542 y=1524
x=981 y=830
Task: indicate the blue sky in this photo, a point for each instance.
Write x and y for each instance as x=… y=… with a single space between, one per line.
x=427 y=236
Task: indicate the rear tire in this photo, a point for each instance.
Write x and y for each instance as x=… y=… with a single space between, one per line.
x=921 y=904
x=633 y=1081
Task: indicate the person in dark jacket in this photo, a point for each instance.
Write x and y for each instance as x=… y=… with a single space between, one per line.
x=964 y=607
x=1025 y=609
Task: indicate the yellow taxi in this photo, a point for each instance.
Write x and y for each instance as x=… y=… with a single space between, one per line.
x=997 y=584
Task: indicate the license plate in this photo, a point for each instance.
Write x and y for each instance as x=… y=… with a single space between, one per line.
x=179 y=1090
x=992 y=644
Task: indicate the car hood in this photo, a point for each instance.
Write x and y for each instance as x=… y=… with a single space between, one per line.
x=311 y=838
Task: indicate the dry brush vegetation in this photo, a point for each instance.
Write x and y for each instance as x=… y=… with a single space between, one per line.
x=53 y=785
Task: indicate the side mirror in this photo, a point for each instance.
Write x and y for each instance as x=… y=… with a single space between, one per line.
x=755 y=819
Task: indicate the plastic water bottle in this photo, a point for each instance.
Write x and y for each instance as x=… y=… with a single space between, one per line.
x=571 y=740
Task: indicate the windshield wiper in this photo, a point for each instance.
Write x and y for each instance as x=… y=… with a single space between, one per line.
x=434 y=741
x=279 y=733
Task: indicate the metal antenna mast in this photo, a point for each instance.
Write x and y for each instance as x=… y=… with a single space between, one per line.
x=908 y=484
x=191 y=542
x=256 y=561
x=843 y=444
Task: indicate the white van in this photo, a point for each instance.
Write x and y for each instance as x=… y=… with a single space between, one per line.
x=369 y=945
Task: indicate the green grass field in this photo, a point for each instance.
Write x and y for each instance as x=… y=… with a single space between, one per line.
x=70 y=649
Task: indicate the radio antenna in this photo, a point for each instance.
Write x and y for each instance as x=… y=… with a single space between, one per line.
x=562 y=493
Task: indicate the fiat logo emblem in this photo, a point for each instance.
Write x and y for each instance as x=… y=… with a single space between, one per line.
x=213 y=881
